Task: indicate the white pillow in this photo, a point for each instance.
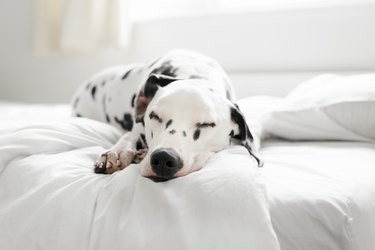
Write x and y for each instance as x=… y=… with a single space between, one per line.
x=327 y=107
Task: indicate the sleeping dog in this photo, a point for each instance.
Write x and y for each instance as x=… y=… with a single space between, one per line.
x=175 y=111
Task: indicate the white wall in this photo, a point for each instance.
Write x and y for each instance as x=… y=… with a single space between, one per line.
x=272 y=43
x=329 y=38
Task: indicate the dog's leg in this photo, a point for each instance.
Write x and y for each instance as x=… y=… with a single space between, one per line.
x=122 y=154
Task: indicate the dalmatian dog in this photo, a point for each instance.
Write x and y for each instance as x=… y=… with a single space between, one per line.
x=175 y=112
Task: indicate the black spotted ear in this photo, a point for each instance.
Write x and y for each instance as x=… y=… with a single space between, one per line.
x=145 y=95
x=241 y=133
x=154 y=82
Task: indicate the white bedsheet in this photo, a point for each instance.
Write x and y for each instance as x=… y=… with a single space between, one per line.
x=50 y=198
x=20 y=114
x=322 y=194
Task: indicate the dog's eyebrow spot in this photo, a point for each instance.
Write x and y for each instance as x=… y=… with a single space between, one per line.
x=205 y=124
x=172 y=131
x=196 y=134
x=184 y=133
x=76 y=102
x=153 y=115
x=93 y=92
x=168 y=123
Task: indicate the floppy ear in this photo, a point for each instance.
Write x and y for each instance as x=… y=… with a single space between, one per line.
x=241 y=133
x=153 y=83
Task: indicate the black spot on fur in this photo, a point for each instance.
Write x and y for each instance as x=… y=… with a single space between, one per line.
x=76 y=102
x=133 y=100
x=126 y=122
x=126 y=74
x=103 y=83
x=172 y=131
x=166 y=69
x=141 y=120
x=141 y=143
x=196 y=134
x=104 y=105
x=143 y=137
x=228 y=94
x=93 y=92
x=184 y=133
x=168 y=124
x=88 y=85
x=152 y=135
x=78 y=115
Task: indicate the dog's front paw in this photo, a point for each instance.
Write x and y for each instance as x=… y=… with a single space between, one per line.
x=113 y=160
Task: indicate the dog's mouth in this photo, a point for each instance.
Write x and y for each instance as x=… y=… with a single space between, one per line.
x=159 y=178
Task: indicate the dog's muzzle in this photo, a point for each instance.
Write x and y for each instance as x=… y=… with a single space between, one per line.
x=165 y=162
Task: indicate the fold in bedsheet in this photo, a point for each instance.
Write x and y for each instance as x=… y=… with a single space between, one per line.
x=50 y=197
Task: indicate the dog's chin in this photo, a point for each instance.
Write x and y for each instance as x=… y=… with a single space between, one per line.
x=159 y=178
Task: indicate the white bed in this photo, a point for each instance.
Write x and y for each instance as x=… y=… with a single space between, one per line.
x=50 y=198
x=322 y=194
x=318 y=193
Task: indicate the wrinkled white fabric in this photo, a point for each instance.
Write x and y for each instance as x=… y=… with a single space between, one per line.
x=50 y=197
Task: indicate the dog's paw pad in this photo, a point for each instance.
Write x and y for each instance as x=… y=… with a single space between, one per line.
x=113 y=161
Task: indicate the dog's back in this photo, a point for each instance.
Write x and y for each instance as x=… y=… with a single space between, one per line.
x=109 y=96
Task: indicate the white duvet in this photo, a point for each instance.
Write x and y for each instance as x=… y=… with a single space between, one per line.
x=321 y=194
x=50 y=198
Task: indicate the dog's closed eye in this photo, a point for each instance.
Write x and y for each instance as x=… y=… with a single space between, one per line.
x=199 y=126
x=156 y=117
x=205 y=124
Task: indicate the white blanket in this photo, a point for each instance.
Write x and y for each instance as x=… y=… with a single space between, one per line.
x=322 y=194
x=50 y=198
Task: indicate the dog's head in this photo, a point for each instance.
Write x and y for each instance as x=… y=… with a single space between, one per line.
x=185 y=123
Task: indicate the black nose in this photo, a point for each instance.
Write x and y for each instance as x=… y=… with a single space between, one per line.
x=165 y=162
